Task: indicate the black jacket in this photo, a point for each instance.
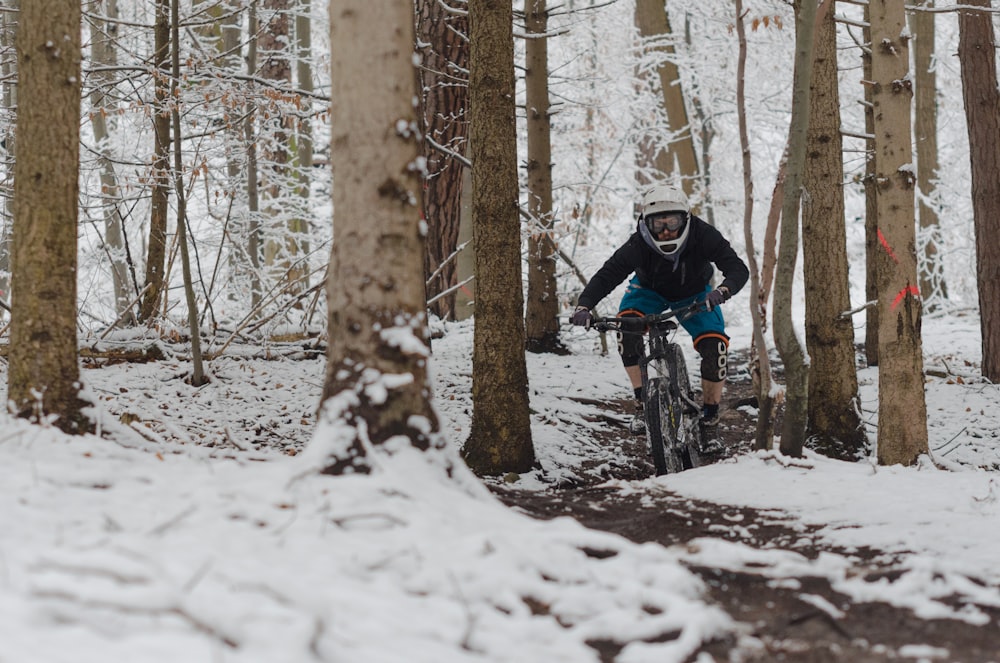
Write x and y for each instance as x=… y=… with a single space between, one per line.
x=705 y=246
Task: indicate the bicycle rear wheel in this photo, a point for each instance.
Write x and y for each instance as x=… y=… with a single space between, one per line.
x=661 y=427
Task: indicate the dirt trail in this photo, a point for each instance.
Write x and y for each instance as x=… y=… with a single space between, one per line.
x=779 y=621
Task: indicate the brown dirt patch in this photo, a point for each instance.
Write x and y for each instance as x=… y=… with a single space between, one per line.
x=778 y=623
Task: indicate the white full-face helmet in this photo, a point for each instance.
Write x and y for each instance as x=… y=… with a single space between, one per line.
x=665 y=205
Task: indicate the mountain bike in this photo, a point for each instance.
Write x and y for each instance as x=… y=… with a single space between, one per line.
x=673 y=417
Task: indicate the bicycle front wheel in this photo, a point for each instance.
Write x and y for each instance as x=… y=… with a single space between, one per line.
x=661 y=427
x=687 y=434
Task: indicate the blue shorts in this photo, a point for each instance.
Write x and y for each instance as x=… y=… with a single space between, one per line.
x=647 y=301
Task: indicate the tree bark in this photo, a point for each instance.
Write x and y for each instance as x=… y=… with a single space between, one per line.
x=8 y=24
x=541 y=318
x=834 y=426
x=763 y=381
x=976 y=52
x=104 y=58
x=932 y=283
x=376 y=387
x=902 y=413
x=654 y=24
x=444 y=112
x=500 y=439
x=197 y=367
x=44 y=373
x=793 y=425
x=156 y=253
x=282 y=252
x=871 y=204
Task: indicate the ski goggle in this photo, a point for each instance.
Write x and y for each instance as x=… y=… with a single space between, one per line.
x=672 y=222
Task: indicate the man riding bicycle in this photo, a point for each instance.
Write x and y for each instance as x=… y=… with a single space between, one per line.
x=671 y=254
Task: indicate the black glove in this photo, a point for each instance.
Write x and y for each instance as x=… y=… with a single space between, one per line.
x=717 y=297
x=581 y=317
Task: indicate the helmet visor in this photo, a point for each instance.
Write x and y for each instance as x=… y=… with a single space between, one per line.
x=672 y=221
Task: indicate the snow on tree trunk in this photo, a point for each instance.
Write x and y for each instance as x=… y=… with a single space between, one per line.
x=376 y=391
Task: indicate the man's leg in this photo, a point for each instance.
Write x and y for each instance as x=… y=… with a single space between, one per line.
x=713 y=349
x=637 y=301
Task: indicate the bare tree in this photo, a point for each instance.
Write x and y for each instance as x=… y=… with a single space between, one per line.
x=104 y=58
x=197 y=368
x=8 y=73
x=793 y=427
x=44 y=374
x=834 y=425
x=445 y=98
x=500 y=439
x=902 y=418
x=932 y=283
x=871 y=201
x=156 y=252
x=542 y=310
x=977 y=54
x=764 y=392
x=654 y=29
x=376 y=386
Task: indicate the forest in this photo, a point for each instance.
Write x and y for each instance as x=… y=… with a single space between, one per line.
x=300 y=267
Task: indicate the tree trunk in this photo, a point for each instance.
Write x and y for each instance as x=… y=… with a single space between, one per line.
x=765 y=394
x=654 y=29
x=793 y=425
x=445 y=99
x=299 y=226
x=871 y=205
x=197 y=369
x=253 y=225
x=44 y=373
x=376 y=387
x=834 y=426
x=500 y=439
x=541 y=319
x=282 y=250
x=156 y=253
x=902 y=413
x=976 y=51
x=104 y=59
x=8 y=71
x=932 y=283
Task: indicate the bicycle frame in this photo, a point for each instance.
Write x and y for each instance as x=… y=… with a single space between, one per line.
x=672 y=424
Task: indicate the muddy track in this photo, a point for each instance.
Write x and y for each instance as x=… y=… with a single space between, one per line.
x=803 y=620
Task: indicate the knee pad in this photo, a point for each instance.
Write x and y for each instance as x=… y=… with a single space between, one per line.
x=630 y=345
x=714 y=351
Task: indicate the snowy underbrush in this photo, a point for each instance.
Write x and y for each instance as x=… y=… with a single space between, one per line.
x=115 y=553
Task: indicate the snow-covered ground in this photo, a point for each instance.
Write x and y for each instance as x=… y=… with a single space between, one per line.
x=199 y=530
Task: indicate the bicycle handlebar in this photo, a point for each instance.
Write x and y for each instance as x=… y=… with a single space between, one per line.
x=637 y=324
